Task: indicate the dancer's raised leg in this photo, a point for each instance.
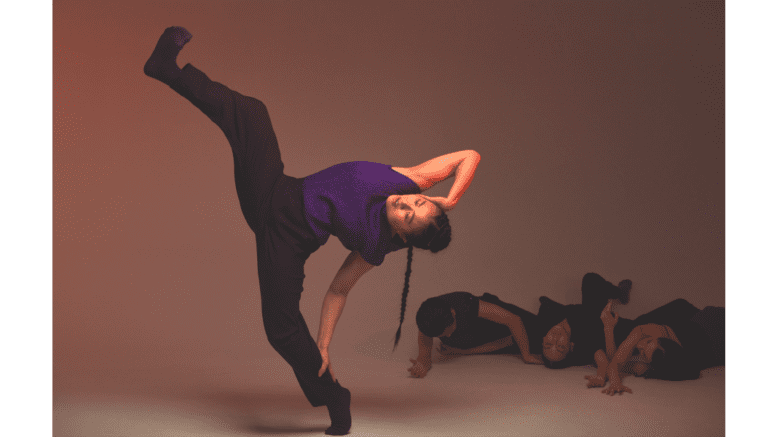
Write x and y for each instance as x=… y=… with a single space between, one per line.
x=597 y=291
x=244 y=120
x=258 y=172
x=161 y=64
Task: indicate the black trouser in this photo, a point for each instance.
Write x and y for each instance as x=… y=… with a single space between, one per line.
x=713 y=322
x=678 y=310
x=272 y=205
x=597 y=292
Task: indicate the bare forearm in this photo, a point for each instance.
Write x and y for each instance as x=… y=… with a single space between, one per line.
x=602 y=372
x=352 y=269
x=609 y=340
x=464 y=174
x=613 y=372
x=425 y=345
x=602 y=363
x=491 y=346
x=624 y=351
x=519 y=336
x=330 y=312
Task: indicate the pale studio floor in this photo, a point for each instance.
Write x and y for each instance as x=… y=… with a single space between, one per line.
x=468 y=396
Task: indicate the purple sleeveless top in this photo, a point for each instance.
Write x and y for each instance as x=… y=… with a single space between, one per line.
x=348 y=201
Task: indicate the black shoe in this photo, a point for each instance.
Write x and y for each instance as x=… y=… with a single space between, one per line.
x=161 y=64
x=625 y=286
x=340 y=412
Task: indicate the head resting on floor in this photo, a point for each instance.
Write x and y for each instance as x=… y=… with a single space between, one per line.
x=556 y=346
x=672 y=362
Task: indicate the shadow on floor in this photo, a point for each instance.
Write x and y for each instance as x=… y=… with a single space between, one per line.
x=273 y=411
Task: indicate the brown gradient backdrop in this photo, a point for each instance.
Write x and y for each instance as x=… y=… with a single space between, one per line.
x=600 y=126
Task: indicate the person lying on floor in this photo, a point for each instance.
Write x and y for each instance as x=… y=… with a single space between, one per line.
x=673 y=342
x=467 y=324
x=576 y=331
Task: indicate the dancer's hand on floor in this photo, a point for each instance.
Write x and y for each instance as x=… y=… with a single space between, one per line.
x=616 y=387
x=595 y=381
x=325 y=364
x=531 y=359
x=419 y=368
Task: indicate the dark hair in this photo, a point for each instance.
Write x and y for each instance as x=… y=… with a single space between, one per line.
x=674 y=363
x=434 y=238
x=433 y=317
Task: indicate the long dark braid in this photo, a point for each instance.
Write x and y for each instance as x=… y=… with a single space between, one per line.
x=405 y=291
x=434 y=238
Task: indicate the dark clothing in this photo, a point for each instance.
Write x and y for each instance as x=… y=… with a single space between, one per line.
x=349 y=200
x=531 y=324
x=713 y=321
x=585 y=323
x=472 y=330
x=466 y=307
x=701 y=332
x=675 y=311
x=273 y=206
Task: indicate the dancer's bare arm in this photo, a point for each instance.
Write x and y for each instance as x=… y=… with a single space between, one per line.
x=352 y=269
x=497 y=314
x=482 y=349
x=623 y=353
x=609 y=320
x=423 y=363
x=600 y=379
x=461 y=164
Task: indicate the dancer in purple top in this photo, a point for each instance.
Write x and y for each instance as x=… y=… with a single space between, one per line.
x=374 y=209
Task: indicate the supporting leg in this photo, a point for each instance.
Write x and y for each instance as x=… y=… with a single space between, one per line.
x=281 y=273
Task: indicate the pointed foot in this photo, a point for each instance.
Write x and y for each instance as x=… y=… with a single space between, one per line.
x=161 y=64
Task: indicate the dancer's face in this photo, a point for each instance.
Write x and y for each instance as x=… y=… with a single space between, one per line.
x=646 y=347
x=410 y=214
x=556 y=344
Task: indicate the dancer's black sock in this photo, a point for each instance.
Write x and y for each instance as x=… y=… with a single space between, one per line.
x=161 y=64
x=340 y=413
